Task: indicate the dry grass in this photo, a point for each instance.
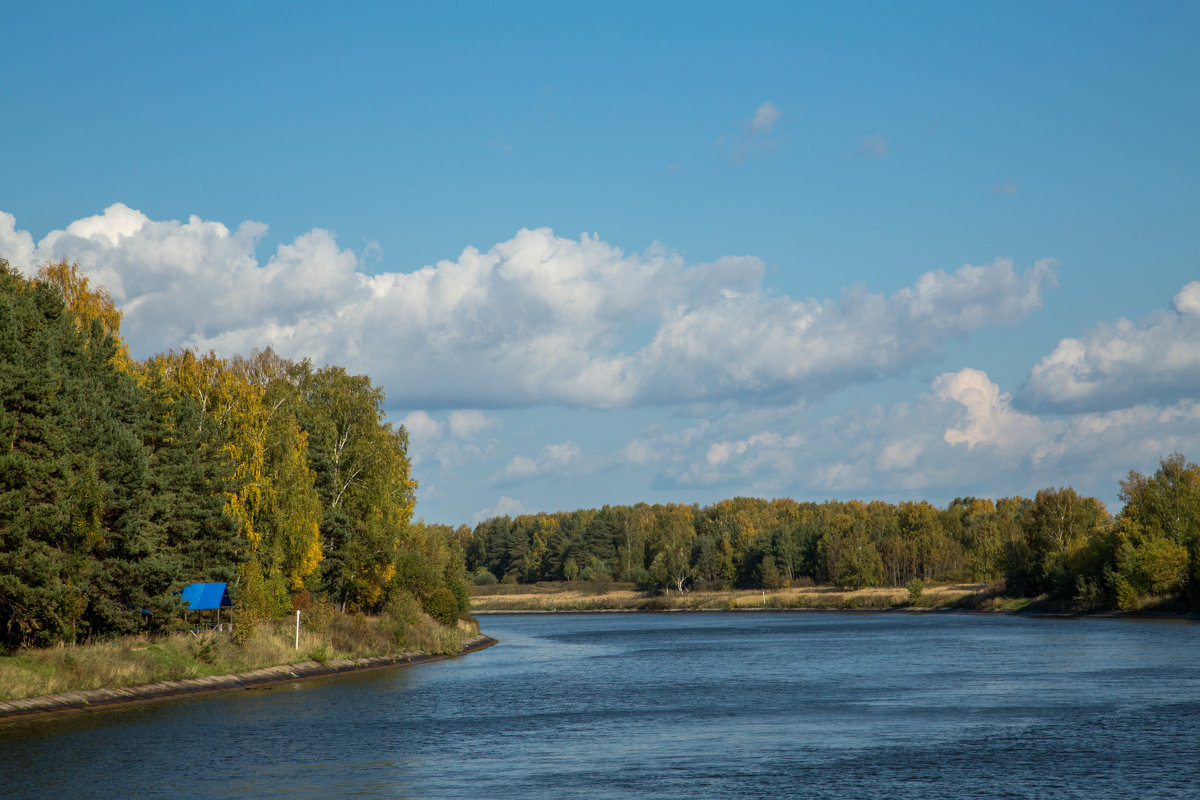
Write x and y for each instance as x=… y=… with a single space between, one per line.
x=622 y=597
x=138 y=660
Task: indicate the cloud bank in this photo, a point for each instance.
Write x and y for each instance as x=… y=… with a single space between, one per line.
x=538 y=319
x=1121 y=364
x=962 y=436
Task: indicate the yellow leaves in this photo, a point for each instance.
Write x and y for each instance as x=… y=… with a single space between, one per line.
x=274 y=501
x=981 y=506
x=87 y=305
x=310 y=559
x=230 y=400
x=293 y=507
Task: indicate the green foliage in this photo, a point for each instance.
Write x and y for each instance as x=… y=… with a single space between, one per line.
x=442 y=605
x=1059 y=525
x=849 y=557
x=261 y=596
x=1161 y=523
x=915 y=587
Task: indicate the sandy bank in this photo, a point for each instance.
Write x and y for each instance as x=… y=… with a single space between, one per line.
x=93 y=699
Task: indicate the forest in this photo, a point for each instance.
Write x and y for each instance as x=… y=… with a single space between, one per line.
x=122 y=481
x=1057 y=544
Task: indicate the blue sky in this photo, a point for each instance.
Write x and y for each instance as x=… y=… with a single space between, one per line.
x=660 y=252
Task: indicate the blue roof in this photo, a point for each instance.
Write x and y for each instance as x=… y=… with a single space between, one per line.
x=200 y=596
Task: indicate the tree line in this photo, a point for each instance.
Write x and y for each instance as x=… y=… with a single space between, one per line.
x=121 y=481
x=1057 y=543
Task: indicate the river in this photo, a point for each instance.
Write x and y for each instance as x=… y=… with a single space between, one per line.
x=720 y=705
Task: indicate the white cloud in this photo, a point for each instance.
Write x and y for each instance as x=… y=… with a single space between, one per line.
x=467 y=424
x=421 y=426
x=519 y=468
x=765 y=117
x=534 y=320
x=638 y=452
x=1122 y=364
x=1008 y=187
x=901 y=454
x=431 y=449
x=755 y=135
x=505 y=506
x=873 y=146
x=755 y=344
x=991 y=419
x=552 y=459
x=15 y=245
x=1187 y=301
x=963 y=436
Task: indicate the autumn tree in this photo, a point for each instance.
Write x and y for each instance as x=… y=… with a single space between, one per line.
x=849 y=557
x=1157 y=536
x=362 y=474
x=87 y=304
x=1057 y=526
x=673 y=536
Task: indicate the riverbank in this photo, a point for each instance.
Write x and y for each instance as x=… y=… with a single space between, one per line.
x=94 y=699
x=585 y=596
x=325 y=637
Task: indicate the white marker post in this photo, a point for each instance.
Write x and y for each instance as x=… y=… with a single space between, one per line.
x=297 y=629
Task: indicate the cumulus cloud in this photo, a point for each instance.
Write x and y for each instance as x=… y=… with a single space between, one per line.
x=754 y=343
x=963 y=436
x=1122 y=364
x=466 y=424
x=15 y=245
x=552 y=459
x=421 y=426
x=638 y=452
x=991 y=418
x=505 y=506
x=537 y=319
x=447 y=444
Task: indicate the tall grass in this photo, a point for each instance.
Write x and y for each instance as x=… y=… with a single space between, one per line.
x=324 y=635
x=622 y=597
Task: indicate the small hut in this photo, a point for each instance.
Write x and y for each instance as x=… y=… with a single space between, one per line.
x=208 y=597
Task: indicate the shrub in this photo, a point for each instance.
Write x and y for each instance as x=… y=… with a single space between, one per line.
x=318 y=617
x=442 y=605
x=639 y=576
x=484 y=578
x=602 y=583
x=915 y=587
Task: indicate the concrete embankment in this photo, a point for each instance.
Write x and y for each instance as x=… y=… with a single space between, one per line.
x=93 y=699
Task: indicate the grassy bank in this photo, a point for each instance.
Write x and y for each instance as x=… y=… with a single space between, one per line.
x=587 y=596
x=324 y=635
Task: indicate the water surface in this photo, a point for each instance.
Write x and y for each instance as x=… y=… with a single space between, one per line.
x=817 y=705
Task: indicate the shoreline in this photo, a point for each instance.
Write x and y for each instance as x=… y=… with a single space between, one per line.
x=980 y=598
x=1162 y=615
x=97 y=699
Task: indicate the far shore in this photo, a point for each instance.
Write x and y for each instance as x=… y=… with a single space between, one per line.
x=582 y=597
x=593 y=596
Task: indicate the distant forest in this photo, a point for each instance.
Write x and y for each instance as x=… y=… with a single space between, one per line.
x=1057 y=543
x=123 y=481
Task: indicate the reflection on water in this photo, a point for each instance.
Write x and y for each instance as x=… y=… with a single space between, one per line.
x=673 y=705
